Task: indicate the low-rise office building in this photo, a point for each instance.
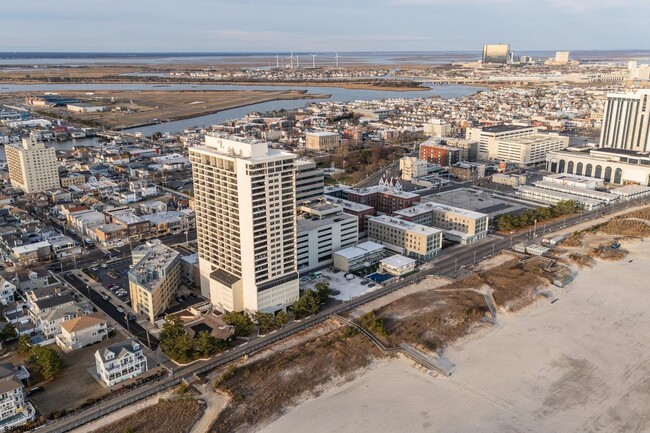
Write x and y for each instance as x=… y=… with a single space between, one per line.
x=574 y=180
x=358 y=257
x=120 y=362
x=154 y=278
x=405 y=237
x=459 y=225
x=397 y=265
x=322 y=229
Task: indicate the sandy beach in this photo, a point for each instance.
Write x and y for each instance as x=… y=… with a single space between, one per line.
x=580 y=364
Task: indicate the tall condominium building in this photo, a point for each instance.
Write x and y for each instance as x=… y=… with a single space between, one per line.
x=499 y=53
x=246 y=224
x=310 y=181
x=154 y=278
x=32 y=166
x=626 y=123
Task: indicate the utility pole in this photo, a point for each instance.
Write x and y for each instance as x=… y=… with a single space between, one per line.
x=474 y=258
x=455 y=264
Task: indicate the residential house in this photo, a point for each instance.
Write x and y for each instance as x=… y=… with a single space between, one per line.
x=120 y=362
x=81 y=332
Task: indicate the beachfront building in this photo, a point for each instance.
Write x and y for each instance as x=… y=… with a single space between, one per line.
x=120 y=362
x=358 y=257
x=626 y=122
x=32 y=166
x=14 y=411
x=617 y=166
x=321 y=141
x=245 y=196
x=397 y=265
x=405 y=237
x=459 y=225
x=154 y=278
x=322 y=229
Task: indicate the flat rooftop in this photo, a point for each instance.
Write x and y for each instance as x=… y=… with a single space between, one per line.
x=559 y=195
x=152 y=268
x=503 y=128
x=379 y=189
x=360 y=250
x=531 y=139
x=305 y=224
x=349 y=205
x=398 y=261
x=574 y=190
x=423 y=208
x=404 y=225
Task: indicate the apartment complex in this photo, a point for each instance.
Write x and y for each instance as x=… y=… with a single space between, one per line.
x=120 y=362
x=245 y=196
x=383 y=199
x=310 y=181
x=154 y=278
x=459 y=225
x=626 y=122
x=488 y=138
x=321 y=141
x=433 y=152
x=529 y=149
x=323 y=228
x=32 y=166
x=405 y=237
x=437 y=128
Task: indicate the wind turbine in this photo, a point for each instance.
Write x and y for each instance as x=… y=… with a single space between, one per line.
x=297 y=61
x=291 y=59
x=336 y=58
x=313 y=60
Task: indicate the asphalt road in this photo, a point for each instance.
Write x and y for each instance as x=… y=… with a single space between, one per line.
x=111 y=310
x=448 y=264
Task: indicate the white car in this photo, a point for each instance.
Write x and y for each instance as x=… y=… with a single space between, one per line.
x=349 y=277
x=104 y=265
x=120 y=309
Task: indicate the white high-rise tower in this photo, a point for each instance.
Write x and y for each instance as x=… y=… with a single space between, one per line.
x=626 y=122
x=246 y=224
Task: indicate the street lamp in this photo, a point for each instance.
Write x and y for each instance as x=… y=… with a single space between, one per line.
x=455 y=264
x=474 y=258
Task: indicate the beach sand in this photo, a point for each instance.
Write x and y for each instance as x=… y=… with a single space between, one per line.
x=581 y=364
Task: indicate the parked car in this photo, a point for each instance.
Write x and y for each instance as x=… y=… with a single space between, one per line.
x=120 y=309
x=130 y=317
x=104 y=266
x=105 y=297
x=349 y=277
x=35 y=390
x=371 y=285
x=336 y=292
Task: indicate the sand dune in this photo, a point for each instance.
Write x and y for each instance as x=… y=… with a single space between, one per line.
x=581 y=364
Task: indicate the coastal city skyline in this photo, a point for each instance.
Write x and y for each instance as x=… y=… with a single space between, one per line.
x=286 y=25
x=236 y=216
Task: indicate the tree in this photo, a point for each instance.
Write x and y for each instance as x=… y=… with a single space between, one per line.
x=46 y=360
x=241 y=321
x=323 y=292
x=306 y=305
x=23 y=344
x=207 y=344
x=372 y=323
x=281 y=319
x=265 y=321
x=8 y=332
x=174 y=340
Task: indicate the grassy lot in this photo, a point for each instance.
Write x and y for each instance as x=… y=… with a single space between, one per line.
x=73 y=385
x=263 y=390
x=177 y=416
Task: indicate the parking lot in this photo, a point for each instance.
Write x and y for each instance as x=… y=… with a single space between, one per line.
x=347 y=289
x=479 y=201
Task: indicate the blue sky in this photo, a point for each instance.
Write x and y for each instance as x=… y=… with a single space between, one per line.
x=321 y=25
